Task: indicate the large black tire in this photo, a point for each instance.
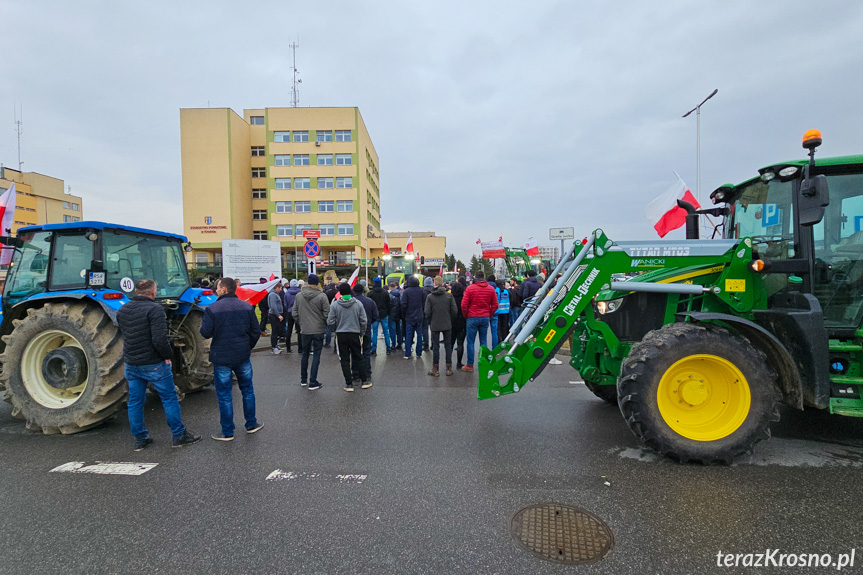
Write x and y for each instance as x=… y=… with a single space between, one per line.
x=99 y=369
x=709 y=425
x=196 y=351
x=607 y=393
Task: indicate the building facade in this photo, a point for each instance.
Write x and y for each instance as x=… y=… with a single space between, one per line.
x=40 y=199
x=274 y=172
x=549 y=253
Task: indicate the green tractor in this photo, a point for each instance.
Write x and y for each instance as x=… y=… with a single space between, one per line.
x=698 y=349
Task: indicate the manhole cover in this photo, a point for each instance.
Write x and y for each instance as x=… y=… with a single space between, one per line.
x=562 y=533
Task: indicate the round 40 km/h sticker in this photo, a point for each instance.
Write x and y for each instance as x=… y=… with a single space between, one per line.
x=127 y=285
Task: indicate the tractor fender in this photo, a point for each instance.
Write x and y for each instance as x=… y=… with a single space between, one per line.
x=790 y=382
x=20 y=309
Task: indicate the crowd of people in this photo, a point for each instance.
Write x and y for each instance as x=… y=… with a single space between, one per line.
x=414 y=319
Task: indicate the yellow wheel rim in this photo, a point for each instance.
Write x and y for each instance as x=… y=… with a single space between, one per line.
x=704 y=397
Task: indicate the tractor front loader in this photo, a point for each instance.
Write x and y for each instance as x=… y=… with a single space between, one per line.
x=699 y=348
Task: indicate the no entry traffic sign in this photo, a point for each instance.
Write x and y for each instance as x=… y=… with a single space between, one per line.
x=311 y=249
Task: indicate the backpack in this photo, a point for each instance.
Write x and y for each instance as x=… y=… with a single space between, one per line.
x=502 y=301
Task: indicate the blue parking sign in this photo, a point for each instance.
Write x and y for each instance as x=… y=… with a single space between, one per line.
x=770 y=215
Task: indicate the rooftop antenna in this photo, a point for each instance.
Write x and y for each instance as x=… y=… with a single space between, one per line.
x=19 y=129
x=295 y=90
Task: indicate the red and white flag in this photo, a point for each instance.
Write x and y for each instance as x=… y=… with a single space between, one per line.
x=254 y=293
x=440 y=271
x=478 y=241
x=500 y=238
x=386 y=245
x=409 y=248
x=7 y=219
x=664 y=213
x=531 y=247
x=352 y=281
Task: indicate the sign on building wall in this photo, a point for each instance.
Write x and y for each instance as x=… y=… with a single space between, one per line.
x=251 y=260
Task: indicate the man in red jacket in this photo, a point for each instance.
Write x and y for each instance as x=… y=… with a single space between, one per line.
x=478 y=304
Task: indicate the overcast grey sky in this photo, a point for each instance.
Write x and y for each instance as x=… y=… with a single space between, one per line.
x=489 y=118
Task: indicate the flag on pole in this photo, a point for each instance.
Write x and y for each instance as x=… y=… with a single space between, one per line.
x=7 y=219
x=254 y=293
x=352 y=281
x=478 y=241
x=409 y=248
x=500 y=238
x=386 y=245
x=531 y=247
x=664 y=213
x=440 y=271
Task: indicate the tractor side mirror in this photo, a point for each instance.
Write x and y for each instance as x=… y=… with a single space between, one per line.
x=814 y=197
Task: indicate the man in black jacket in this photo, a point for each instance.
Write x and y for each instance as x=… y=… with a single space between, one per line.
x=148 y=354
x=380 y=296
x=235 y=330
x=372 y=316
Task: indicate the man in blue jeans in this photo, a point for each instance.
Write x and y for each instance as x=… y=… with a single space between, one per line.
x=147 y=354
x=235 y=330
x=413 y=302
x=478 y=305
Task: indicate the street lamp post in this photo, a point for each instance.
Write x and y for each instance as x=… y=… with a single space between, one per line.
x=697 y=110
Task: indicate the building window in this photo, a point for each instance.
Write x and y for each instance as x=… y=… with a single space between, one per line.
x=283 y=159
x=343 y=159
x=326 y=206
x=283 y=183
x=300 y=227
x=302 y=183
x=301 y=136
x=346 y=229
x=283 y=207
x=345 y=205
x=324 y=136
x=256 y=120
x=259 y=214
x=67 y=206
x=74 y=207
x=281 y=136
x=259 y=235
x=301 y=159
x=65 y=219
x=327 y=229
x=259 y=172
x=258 y=151
x=325 y=159
x=325 y=183
x=284 y=231
x=345 y=182
x=303 y=207
x=343 y=135
x=259 y=194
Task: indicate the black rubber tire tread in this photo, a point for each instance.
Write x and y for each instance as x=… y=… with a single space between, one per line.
x=607 y=393
x=106 y=382
x=201 y=370
x=650 y=358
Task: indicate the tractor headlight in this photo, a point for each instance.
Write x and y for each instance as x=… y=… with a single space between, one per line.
x=610 y=306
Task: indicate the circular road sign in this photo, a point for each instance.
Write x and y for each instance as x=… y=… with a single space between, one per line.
x=311 y=249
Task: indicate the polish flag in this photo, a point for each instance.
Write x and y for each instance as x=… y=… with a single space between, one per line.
x=440 y=271
x=254 y=293
x=386 y=245
x=531 y=247
x=272 y=277
x=7 y=219
x=664 y=213
x=500 y=238
x=352 y=281
x=409 y=248
x=478 y=241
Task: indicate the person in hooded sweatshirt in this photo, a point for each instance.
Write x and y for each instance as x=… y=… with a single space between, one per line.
x=529 y=287
x=397 y=335
x=382 y=299
x=478 y=304
x=372 y=316
x=347 y=318
x=288 y=299
x=310 y=312
x=440 y=310
x=428 y=288
x=413 y=304
x=458 y=324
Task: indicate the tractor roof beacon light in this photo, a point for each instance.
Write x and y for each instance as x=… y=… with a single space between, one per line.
x=811 y=140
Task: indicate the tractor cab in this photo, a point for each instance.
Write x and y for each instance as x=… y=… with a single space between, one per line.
x=398 y=266
x=94 y=256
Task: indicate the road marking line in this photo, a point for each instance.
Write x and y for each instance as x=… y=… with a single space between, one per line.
x=576 y=382
x=280 y=475
x=105 y=468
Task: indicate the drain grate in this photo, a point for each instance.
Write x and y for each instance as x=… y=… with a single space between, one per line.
x=562 y=533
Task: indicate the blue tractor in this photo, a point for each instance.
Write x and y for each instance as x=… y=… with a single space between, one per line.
x=62 y=352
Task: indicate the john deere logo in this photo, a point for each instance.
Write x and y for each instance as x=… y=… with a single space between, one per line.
x=208 y=220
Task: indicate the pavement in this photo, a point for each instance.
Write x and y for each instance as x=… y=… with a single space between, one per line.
x=412 y=476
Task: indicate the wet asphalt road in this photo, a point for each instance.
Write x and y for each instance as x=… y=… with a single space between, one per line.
x=444 y=475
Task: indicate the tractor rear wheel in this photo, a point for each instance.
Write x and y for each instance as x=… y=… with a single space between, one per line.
x=63 y=367
x=697 y=392
x=196 y=353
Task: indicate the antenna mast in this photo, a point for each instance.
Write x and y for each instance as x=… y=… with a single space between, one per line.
x=19 y=128
x=295 y=90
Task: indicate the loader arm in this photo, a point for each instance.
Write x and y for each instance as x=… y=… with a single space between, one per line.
x=550 y=317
